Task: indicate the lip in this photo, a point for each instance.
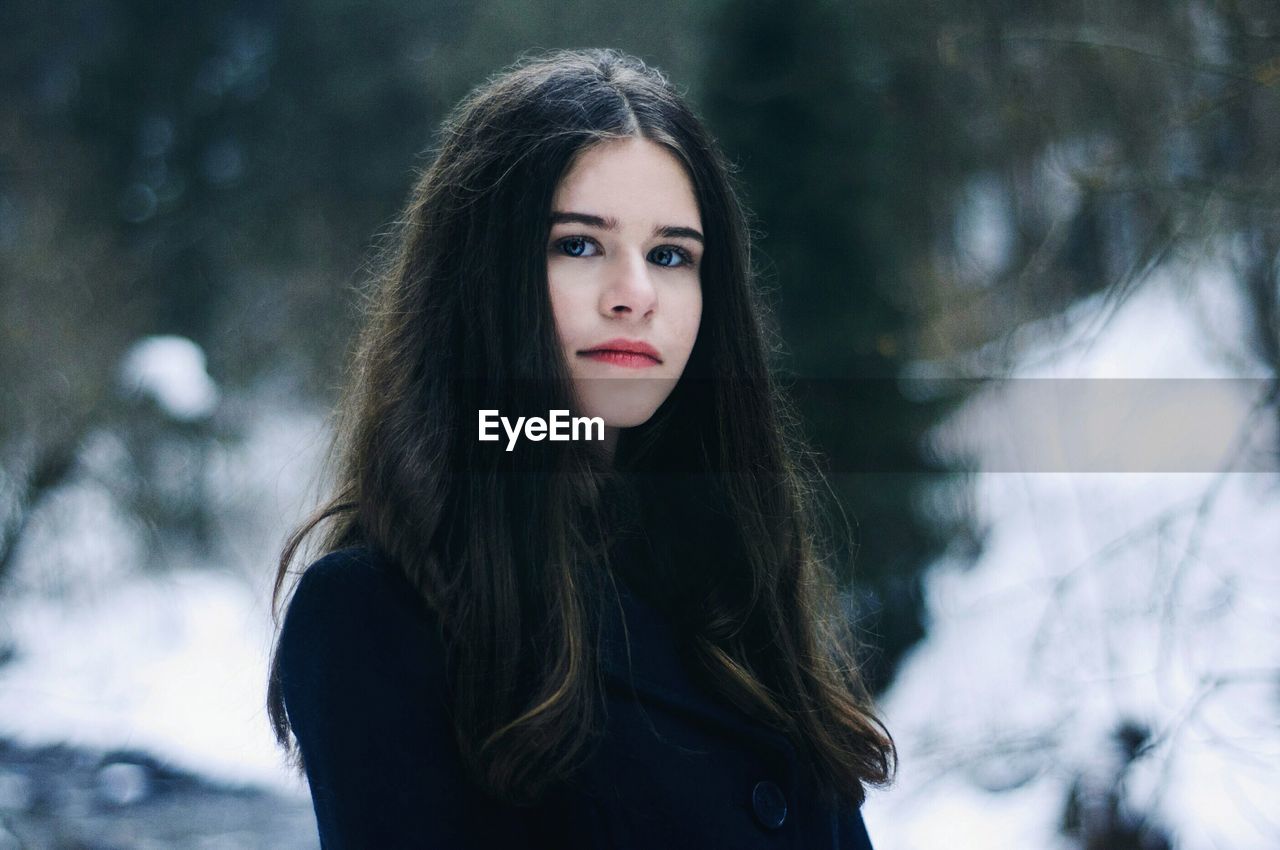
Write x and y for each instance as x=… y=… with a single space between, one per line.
x=624 y=352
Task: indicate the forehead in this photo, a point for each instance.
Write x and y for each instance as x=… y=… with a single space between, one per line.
x=629 y=178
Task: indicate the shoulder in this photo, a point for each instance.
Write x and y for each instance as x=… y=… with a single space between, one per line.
x=357 y=568
x=351 y=587
x=362 y=673
x=354 y=620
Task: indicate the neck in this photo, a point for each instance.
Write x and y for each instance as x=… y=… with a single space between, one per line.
x=610 y=443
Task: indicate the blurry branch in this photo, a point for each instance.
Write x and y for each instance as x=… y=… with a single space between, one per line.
x=1189 y=714
x=1166 y=235
x=1200 y=510
x=1261 y=278
x=1264 y=74
x=1212 y=686
x=53 y=465
x=1245 y=195
x=1170 y=594
x=993 y=753
x=1112 y=38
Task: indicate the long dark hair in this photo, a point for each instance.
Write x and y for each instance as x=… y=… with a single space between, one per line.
x=506 y=549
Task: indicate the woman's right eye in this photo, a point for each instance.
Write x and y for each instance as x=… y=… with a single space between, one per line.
x=575 y=246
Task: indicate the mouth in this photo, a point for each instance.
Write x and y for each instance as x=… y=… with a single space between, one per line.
x=624 y=352
x=621 y=358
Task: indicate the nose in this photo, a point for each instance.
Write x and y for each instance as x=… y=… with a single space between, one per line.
x=629 y=290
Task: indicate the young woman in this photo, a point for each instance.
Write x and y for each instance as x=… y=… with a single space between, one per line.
x=517 y=641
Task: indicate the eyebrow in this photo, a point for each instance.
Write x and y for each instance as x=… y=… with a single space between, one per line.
x=670 y=231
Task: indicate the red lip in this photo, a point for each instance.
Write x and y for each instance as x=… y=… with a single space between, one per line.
x=626 y=346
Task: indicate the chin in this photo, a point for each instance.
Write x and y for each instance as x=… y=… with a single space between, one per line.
x=623 y=417
x=625 y=410
x=622 y=406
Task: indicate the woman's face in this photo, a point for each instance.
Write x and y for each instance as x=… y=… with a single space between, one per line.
x=623 y=268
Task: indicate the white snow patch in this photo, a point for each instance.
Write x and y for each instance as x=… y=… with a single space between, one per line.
x=173 y=665
x=171 y=370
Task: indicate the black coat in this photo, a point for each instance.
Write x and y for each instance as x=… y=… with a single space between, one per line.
x=361 y=670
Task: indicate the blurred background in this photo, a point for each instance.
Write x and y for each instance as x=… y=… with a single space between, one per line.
x=1024 y=258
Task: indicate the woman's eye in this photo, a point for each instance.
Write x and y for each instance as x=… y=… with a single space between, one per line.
x=576 y=246
x=671 y=256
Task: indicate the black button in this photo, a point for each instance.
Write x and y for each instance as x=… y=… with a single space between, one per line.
x=769 y=804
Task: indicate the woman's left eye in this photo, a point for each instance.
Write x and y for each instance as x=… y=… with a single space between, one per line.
x=671 y=256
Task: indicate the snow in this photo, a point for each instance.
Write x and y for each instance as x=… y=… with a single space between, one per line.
x=171 y=370
x=1101 y=598
x=171 y=660
x=983 y=232
x=170 y=664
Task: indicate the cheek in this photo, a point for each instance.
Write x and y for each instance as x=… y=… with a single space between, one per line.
x=693 y=313
x=561 y=310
